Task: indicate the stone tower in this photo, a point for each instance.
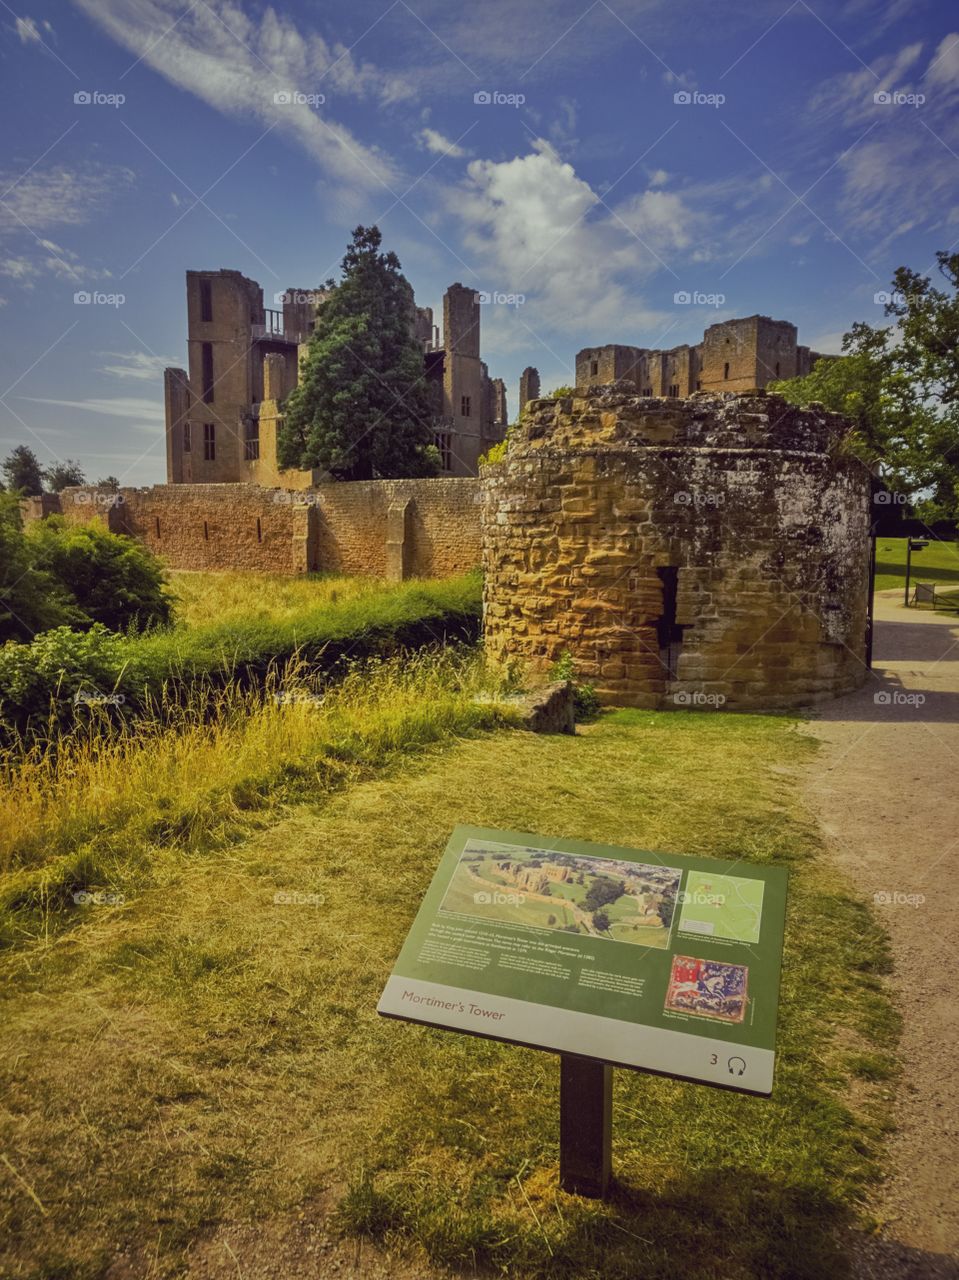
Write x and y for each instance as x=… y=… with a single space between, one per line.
x=707 y=552
x=528 y=387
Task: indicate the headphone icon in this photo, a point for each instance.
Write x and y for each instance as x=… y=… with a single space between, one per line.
x=742 y=1066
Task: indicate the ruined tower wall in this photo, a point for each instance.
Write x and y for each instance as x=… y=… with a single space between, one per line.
x=712 y=551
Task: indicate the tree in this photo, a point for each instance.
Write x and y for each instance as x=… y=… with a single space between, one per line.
x=601 y=891
x=31 y=599
x=601 y=920
x=112 y=579
x=23 y=472
x=900 y=386
x=361 y=408
x=62 y=474
x=108 y=482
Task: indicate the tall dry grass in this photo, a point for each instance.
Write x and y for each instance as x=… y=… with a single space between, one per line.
x=98 y=810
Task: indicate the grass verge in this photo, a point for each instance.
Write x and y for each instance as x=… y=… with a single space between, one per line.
x=939 y=562
x=201 y=1057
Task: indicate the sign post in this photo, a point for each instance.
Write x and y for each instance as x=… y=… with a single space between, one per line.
x=608 y=957
x=585 y=1126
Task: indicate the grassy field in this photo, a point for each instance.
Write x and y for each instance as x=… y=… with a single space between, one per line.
x=196 y=1082
x=211 y=599
x=939 y=562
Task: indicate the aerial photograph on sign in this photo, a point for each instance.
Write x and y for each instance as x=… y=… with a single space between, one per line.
x=601 y=897
x=722 y=906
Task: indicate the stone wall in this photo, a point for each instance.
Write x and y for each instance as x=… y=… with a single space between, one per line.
x=381 y=528
x=711 y=551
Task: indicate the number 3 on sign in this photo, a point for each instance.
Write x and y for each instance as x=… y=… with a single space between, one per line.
x=713 y=1059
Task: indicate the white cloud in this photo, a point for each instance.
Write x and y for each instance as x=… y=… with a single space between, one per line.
x=139 y=366
x=540 y=230
x=943 y=70
x=434 y=141
x=27 y=31
x=237 y=63
x=58 y=196
x=130 y=407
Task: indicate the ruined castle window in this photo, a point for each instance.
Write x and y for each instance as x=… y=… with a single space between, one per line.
x=206 y=531
x=206 y=300
x=674 y=390
x=186 y=438
x=444 y=442
x=206 y=354
x=699 y=385
x=777 y=368
x=669 y=631
x=464 y=406
x=251 y=440
x=647 y=391
x=726 y=369
x=209 y=442
x=259 y=530
x=593 y=368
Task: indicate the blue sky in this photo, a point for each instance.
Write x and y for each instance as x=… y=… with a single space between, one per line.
x=777 y=183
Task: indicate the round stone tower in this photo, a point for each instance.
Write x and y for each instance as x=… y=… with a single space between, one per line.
x=712 y=551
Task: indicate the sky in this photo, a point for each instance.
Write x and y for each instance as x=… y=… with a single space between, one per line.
x=608 y=172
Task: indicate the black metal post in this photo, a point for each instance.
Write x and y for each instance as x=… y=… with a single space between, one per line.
x=908 y=569
x=585 y=1126
x=871 y=606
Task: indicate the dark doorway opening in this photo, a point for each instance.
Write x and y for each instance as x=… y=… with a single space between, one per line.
x=669 y=631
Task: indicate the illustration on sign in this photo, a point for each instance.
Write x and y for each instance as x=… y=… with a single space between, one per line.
x=665 y=963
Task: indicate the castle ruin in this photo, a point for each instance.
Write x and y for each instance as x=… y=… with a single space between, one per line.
x=709 y=551
x=224 y=412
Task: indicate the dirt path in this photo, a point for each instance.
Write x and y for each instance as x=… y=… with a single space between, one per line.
x=886 y=788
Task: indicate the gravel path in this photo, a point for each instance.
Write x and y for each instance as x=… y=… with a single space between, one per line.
x=886 y=791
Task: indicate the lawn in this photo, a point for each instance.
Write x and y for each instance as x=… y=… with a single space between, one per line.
x=939 y=562
x=211 y=599
x=198 y=1075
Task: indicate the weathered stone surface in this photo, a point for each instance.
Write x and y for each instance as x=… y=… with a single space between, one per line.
x=549 y=709
x=752 y=558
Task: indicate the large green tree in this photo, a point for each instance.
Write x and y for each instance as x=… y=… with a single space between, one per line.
x=22 y=471
x=900 y=385
x=361 y=409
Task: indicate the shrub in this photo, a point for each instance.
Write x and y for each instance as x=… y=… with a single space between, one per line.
x=31 y=599
x=586 y=703
x=113 y=580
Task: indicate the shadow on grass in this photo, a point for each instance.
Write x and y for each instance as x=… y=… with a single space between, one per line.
x=730 y=1223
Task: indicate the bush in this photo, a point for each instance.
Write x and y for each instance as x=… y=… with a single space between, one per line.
x=586 y=705
x=112 y=579
x=31 y=599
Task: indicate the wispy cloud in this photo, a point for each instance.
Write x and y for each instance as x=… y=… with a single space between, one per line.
x=137 y=366
x=251 y=66
x=432 y=140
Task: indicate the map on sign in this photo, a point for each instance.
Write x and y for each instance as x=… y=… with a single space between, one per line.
x=721 y=906
x=662 y=962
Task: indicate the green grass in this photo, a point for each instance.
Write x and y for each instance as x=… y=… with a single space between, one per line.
x=201 y=1056
x=205 y=599
x=939 y=562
